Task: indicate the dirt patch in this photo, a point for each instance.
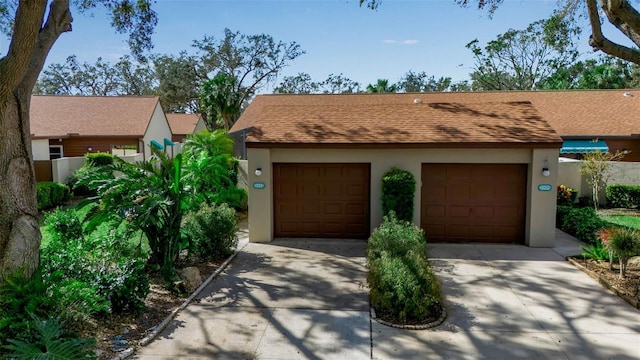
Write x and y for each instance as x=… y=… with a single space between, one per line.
x=628 y=286
x=116 y=333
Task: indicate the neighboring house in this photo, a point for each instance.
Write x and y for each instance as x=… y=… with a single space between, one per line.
x=184 y=124
x=485 y=167
x=71 y=126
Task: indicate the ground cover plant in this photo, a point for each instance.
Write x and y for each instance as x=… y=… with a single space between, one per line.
x=403 y=287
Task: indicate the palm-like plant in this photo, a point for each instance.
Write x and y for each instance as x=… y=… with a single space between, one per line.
x=382 y=86
x=149 y=195
x=624 y=243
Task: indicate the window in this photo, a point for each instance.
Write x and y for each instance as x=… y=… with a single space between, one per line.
x=55 y=152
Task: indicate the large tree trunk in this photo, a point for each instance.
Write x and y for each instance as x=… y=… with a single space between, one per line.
x=31 y=42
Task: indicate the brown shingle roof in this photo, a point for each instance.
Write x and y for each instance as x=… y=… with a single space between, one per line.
x=182 y=124
x=392 y=119
x=59 y=116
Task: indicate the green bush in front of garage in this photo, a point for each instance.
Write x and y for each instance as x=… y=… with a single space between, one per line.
x=398 y=188
x=403 y=287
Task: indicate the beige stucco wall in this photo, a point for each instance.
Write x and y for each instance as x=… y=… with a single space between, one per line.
x=158 y=129
x=540 y=204
x=64 y=167
x=40 y=148
x=200 y=125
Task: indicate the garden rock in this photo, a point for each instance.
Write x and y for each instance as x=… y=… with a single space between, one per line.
x=191 y=278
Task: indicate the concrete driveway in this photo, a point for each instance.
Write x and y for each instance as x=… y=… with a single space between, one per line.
x=290 y=299
x=306 y=299
x=515 y=302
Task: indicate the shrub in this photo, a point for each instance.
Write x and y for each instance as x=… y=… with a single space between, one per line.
x=561 y=212
x=396 y=237
x=596 y=251
x=404 y=287
x=566 y=196
x=211 y=230
x=64 y=225
x=624 y=243
x=104 y=262
x=623 y=196
x=398 y=188
x=585 y=201
x=583 y=223
x=99 y=159
x=20 y=298
x=51 y=194
x=401 y=282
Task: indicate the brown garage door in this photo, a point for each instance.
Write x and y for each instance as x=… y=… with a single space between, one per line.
x=473 y=202
x=321 y=200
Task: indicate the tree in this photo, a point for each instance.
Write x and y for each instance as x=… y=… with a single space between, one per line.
x=33 y=31
x=179 y=80
x=221 y=101
x=421 y=82
x=381 y=86
x=596 y=166
x=303 y=84
x=520 y=59
x=620 y=13
x=604 y=73
x=100 y=79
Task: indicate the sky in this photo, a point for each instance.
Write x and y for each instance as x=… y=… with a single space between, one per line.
x=338 y=36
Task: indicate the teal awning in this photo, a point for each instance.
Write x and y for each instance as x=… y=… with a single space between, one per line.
x=156 y=145
x=168 y=142
x=583 y=146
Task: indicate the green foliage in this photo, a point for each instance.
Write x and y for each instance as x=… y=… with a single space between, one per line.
x=212 y=230
x=398 y=188
x=20 y=297
x=566 y=196
x=606 y=72
x=623 y=196
x=583 y=223
x=51 y=194
x=522 y=59
x=98 y=159
x=595 y=251
x=147 y=195
x=401 y=282
x=51 y=343
x=211 y=171
x=303 y=84
x=110 y=270
x=64 y=225
x=561 y=213
x=624 y=243
x=222 y=101
x=632 y=222
x=396 y=237
x=382 y=86
x=596 y=167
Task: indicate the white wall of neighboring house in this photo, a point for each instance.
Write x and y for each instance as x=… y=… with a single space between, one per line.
x=40 y=148
x=158 y=129
x=621 y=173
x=200 y=125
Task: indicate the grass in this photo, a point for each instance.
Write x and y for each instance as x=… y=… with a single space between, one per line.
x=137 y=238
x=624 y=220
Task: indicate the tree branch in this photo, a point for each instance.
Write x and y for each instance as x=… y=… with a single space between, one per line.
x=599 y=42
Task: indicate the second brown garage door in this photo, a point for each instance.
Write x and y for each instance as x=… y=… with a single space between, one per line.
x=321 y=200
x=474 y=202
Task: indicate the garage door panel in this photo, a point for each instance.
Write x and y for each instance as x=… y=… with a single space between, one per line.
x=331 y=200
x=481 y=202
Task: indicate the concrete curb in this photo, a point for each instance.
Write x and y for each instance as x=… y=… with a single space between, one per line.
x=430 y=325
x=152 y=335
x=631 y=301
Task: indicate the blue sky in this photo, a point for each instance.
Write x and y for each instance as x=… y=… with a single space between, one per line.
x=337 y=35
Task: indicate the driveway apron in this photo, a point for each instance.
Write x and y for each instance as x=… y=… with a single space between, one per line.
x=289 y=299
x=516 y=302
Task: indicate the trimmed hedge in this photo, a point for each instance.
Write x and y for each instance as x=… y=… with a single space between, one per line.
x=401 y=282
x=623 y=196
x=51 y=194
x=99 y=159
x=583 y=223
x=398 y=188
